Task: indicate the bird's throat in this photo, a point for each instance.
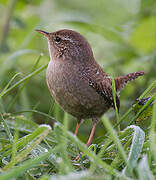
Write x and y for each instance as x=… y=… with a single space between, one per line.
x=50 y=53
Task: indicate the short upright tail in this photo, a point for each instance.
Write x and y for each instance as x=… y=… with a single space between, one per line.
x=121 y=81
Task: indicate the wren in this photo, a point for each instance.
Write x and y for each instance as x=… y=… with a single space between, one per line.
x=76 y=81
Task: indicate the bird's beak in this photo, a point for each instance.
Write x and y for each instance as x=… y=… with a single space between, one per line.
x=43 y=32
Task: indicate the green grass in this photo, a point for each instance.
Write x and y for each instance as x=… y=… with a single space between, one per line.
x=36 y=136
x=32 y=150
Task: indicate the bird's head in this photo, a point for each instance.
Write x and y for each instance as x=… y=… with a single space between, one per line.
x=68 y=45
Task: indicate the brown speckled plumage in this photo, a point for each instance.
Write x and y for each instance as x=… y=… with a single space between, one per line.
x=76 y=81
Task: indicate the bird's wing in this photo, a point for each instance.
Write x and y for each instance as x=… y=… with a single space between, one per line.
x=104 y=88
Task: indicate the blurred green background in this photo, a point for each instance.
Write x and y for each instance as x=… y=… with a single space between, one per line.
x=122 y=34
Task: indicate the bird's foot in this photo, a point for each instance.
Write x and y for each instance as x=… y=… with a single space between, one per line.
x=78 y=156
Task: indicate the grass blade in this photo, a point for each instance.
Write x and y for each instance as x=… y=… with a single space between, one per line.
x=135 y=149
x=11 y=60
x=25 y=79
x=44 y=130
x=152 y=134
x=143 y=108
x=22 y=142
x=115 y=105
x=115 y=138
x=133 y=106
x=24 y=84
x=6 y=128
x=144 y=170
x=18 y=170
x=90 y=154
x=2 y=93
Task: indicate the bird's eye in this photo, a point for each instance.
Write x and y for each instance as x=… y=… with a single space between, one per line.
x=57 y=39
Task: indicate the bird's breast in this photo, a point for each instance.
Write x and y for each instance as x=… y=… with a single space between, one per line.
x=71 y=91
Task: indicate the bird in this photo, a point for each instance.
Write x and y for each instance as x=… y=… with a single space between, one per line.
x=77 y=82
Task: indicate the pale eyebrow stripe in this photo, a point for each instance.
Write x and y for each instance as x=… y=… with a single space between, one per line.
x=67 y=38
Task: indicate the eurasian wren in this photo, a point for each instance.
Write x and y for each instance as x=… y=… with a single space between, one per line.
x=76 y=81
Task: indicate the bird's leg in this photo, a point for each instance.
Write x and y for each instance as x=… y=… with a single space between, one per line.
x=77 y=126
x=95 y=121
